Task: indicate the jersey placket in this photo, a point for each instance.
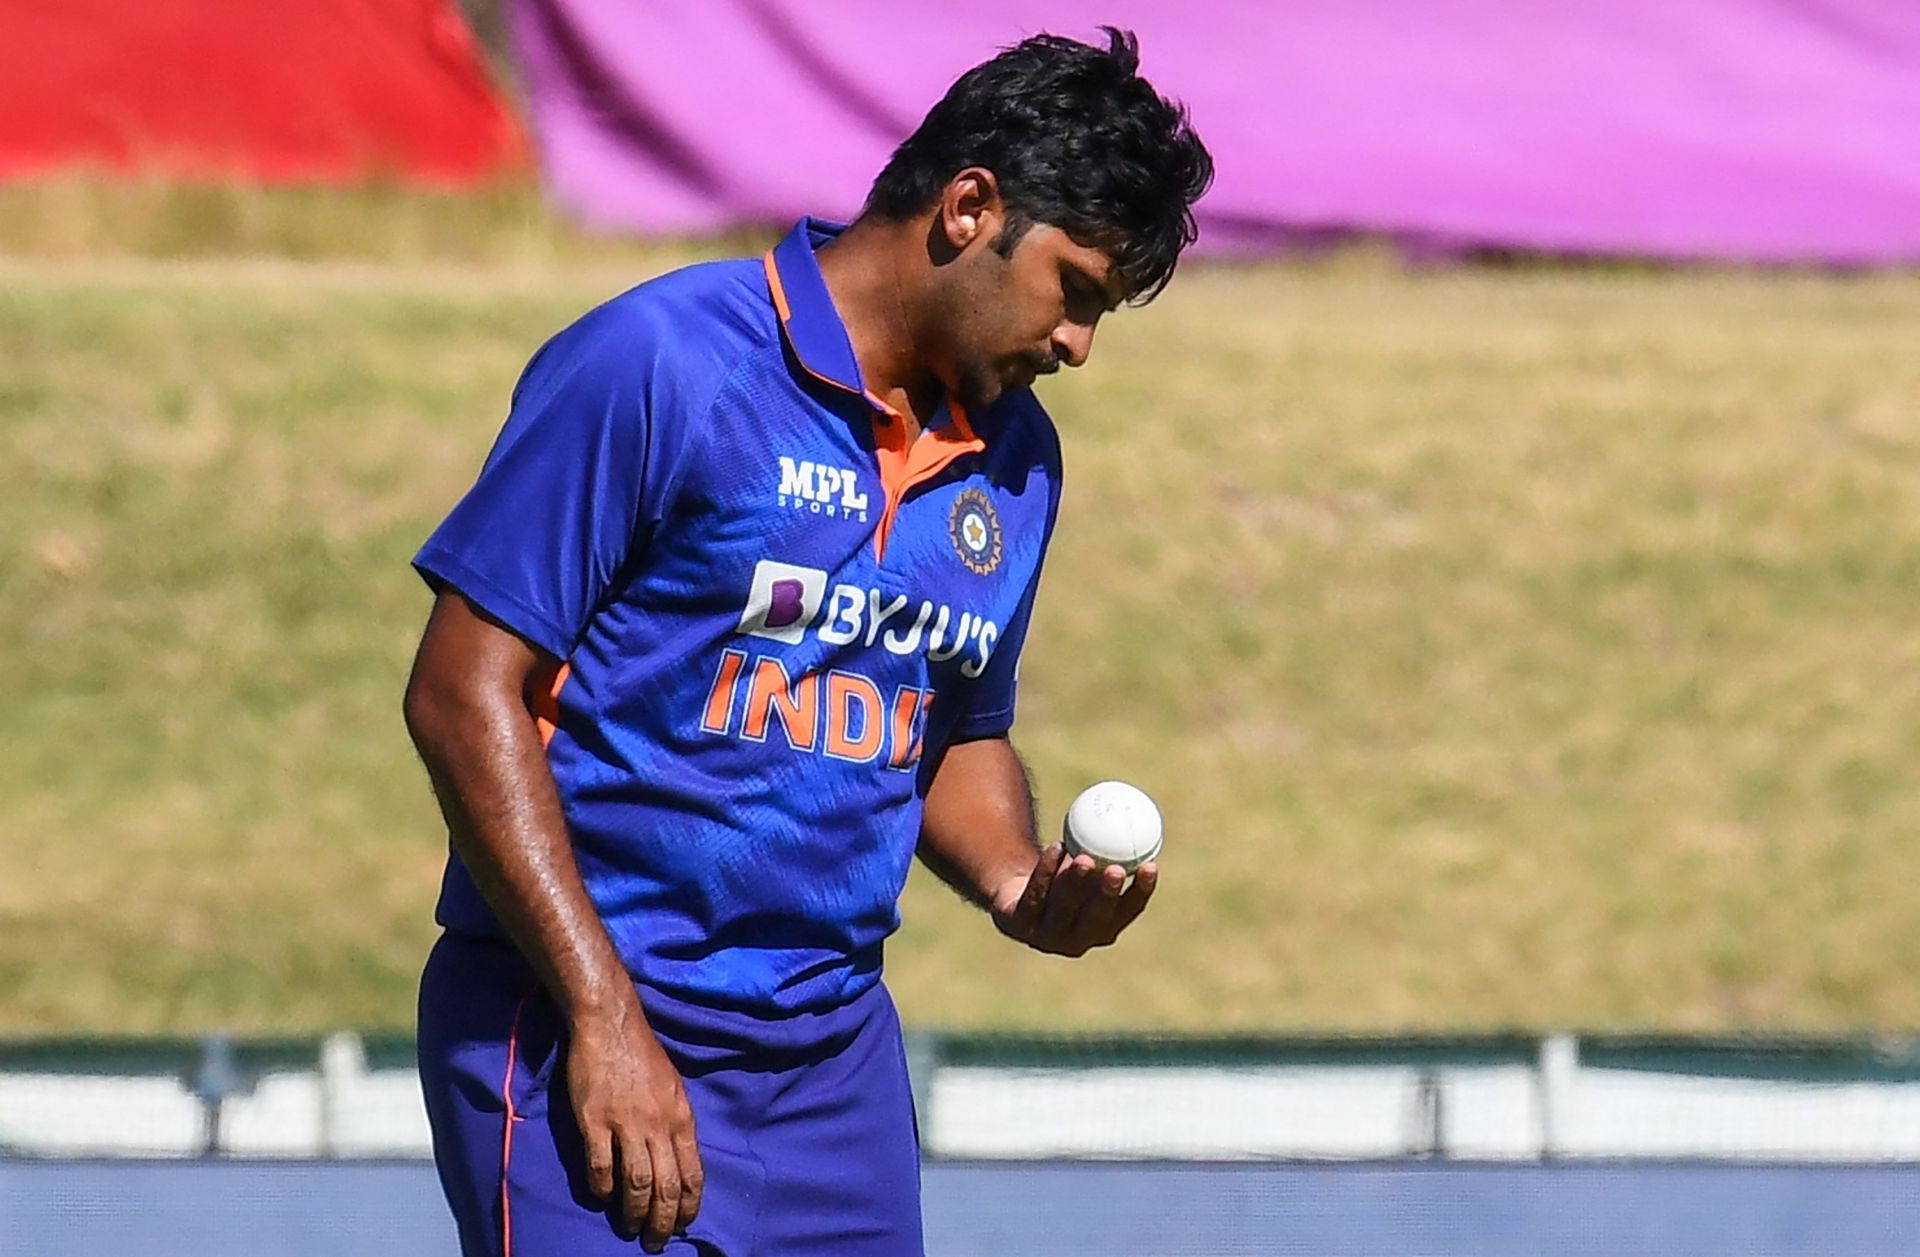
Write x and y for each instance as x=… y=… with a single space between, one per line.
x=903 y=466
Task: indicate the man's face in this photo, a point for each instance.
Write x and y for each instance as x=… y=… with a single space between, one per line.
x=1011 y=317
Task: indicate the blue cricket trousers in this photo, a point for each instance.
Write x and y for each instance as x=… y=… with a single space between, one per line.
x=806 y=1124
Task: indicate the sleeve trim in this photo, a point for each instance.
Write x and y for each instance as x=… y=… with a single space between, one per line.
x=984 y=724
x=440 y=567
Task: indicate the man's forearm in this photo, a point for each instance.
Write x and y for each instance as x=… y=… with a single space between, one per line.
x=977 y=829
x=482 y=751
x=466 y=708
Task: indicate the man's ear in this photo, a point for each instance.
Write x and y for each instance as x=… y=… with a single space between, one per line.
x=970 y=208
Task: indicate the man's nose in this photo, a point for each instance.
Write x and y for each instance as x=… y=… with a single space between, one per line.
x=1072 y=343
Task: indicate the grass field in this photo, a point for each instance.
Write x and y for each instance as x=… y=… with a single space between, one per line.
x=1529 y=647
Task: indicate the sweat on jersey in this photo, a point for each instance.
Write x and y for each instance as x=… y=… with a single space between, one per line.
x=772 y=614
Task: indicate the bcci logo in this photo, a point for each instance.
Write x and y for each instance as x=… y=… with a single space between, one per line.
x=975 y=530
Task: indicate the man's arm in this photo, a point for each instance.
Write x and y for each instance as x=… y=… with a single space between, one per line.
x=977 y=834
x=467 y=709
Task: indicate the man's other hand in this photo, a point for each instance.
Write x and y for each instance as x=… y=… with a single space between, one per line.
x=1069 y=905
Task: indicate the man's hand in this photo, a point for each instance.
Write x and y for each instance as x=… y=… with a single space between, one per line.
x=1068 y=905
x=642 y=1159
x=977 y=835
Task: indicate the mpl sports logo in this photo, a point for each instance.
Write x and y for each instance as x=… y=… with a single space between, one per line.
x=821 y=490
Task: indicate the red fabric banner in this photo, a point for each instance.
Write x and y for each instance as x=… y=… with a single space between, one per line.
x=324 y=90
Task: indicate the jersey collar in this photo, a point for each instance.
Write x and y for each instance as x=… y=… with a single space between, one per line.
x=813 y=330
x=809 y=322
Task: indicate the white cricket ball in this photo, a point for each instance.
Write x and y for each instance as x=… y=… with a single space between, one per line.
x=1115 y=823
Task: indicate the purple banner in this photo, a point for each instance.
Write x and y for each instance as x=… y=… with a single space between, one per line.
x=1768 y=130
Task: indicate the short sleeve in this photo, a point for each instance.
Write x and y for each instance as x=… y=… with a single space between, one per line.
x=571 y=490
x=991 y=703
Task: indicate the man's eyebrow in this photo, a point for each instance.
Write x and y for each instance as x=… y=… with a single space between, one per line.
x=1085 y=276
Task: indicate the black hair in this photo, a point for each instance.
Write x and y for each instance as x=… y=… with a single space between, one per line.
x=1077 y=140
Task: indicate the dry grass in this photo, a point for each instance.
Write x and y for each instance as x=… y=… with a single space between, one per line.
x=1506 y=648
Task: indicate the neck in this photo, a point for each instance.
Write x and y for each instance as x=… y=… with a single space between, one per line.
x=866 y=271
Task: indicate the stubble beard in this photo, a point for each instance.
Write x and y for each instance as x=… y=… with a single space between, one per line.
x=977 y=386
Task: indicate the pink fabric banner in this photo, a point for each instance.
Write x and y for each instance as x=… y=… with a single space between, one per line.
x=1769 y=130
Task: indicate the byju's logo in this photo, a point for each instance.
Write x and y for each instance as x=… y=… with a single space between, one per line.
x=786 y=602
x=821 y=489
x=783 y=601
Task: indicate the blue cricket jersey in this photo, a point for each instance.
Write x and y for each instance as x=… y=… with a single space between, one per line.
x=772 y=612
